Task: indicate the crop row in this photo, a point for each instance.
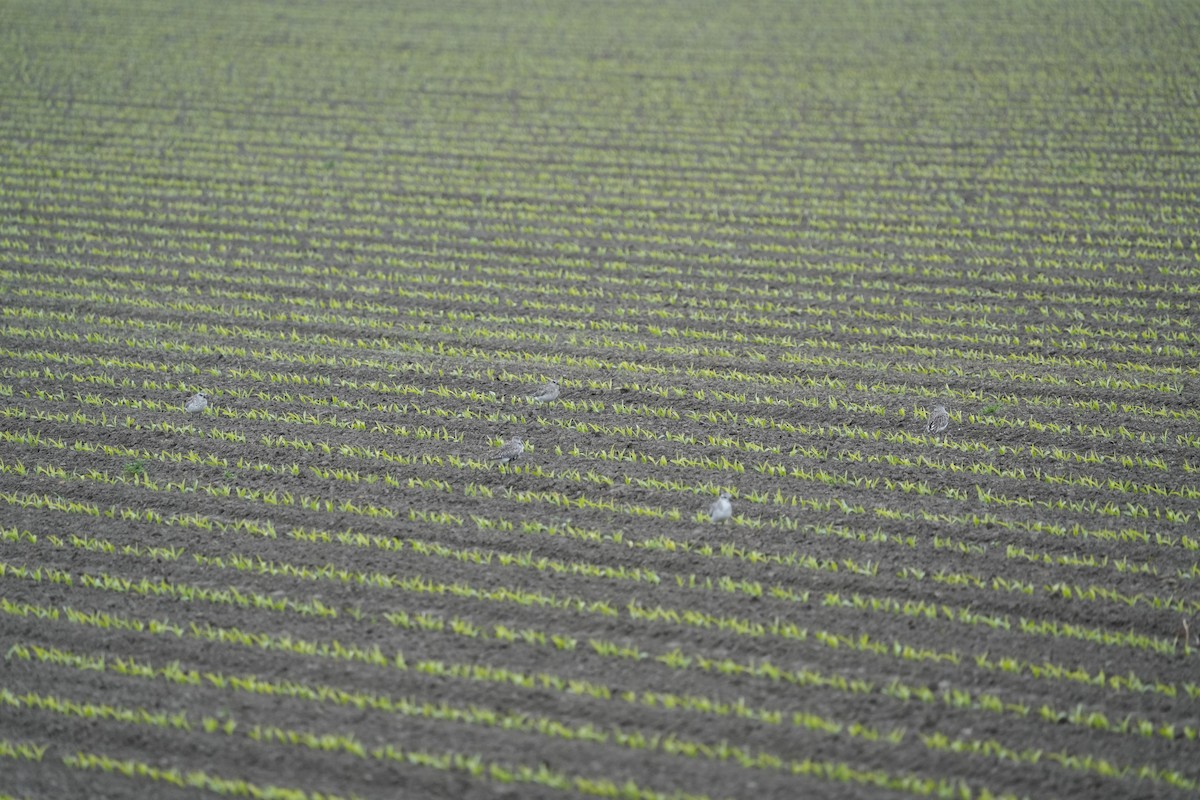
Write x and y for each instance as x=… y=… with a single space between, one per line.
x=448 y=339
x=477 y=715
x=718 y=295
x=547 y=363
x=472 y=489
x=750 y=588
x=1117 y=433
x=1111 y=507
x=435 y=433
x=755 y=311
x=689 y=618
x=505 y=162
x=897 y=690
x=552 y=239
x=664 y=391
x=852 y=243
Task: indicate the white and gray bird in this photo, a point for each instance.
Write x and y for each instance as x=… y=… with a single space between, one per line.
x=510 y=451
x=546 y=392
x=938 y=420
x=196 y=403
x=721 y=509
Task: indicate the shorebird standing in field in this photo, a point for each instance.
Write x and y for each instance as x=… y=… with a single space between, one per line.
x=196 y=403
x=510 y=451
x=939 y=418
x=546 y=392
x=721 y=509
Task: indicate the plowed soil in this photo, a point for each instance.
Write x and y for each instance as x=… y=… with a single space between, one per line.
x=369 y=239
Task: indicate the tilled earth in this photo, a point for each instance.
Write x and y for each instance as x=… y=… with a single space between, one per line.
x=460 y=641
x=756 y=243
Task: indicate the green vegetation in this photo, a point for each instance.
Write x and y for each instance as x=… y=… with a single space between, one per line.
x=755 y=243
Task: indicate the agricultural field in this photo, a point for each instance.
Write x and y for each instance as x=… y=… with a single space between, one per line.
x=756 y=245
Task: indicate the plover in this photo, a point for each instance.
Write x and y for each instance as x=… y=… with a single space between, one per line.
x=721 y=509
x=547 y=392
x=510 y=451
x=196 y=403
x=938 y=420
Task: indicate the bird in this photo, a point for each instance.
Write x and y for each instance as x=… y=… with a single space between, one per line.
x=721 y=509
x=196 y=403
x=510 y=451
x=938 y=420
x=546 y=392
